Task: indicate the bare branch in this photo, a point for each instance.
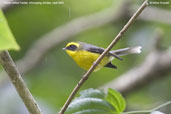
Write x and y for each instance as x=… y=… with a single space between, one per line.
x=156 y=65
x=116 y=39
x=19 y=83
x=148 y=111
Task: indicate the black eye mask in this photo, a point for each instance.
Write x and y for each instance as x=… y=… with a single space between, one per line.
x=71 y=47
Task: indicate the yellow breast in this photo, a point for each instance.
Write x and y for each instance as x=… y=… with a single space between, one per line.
x=85 y=59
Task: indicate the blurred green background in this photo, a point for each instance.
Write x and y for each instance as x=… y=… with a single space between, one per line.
x=52 y=80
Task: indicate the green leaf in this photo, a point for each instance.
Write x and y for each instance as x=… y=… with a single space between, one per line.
x=92 y=93
x=116 y=100
x=90 y=101
x=92 y=111
x=7 y=41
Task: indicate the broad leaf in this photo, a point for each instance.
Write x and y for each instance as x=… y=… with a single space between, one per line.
x=116 y=100
x=90 y=101
x=92 y=93
x=7 y=40
x=92 y=111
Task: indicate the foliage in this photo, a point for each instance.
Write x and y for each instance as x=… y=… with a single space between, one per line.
x=7 y=40
x=116 y=99
x=93 y=101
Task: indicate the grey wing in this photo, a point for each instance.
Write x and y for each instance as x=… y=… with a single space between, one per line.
x=100 y=51
x=92 y=48
x=95 y=49
x=126 y=51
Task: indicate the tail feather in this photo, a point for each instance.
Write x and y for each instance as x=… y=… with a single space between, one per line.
x=126 y=51
x=110 y=65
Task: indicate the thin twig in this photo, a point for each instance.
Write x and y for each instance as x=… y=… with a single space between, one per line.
x=19 y=83
x=148 y=111
x=116 y=39
x=162 y=105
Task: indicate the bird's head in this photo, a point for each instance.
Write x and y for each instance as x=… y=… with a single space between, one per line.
x=71 y=48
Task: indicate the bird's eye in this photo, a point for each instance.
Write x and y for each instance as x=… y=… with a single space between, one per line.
x=72 y=47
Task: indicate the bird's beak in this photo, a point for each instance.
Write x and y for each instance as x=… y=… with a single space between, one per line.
x=64 y=48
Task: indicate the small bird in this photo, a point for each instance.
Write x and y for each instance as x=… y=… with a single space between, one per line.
x=86 y=54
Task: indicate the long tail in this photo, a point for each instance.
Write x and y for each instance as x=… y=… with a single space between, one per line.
x=126 y=51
